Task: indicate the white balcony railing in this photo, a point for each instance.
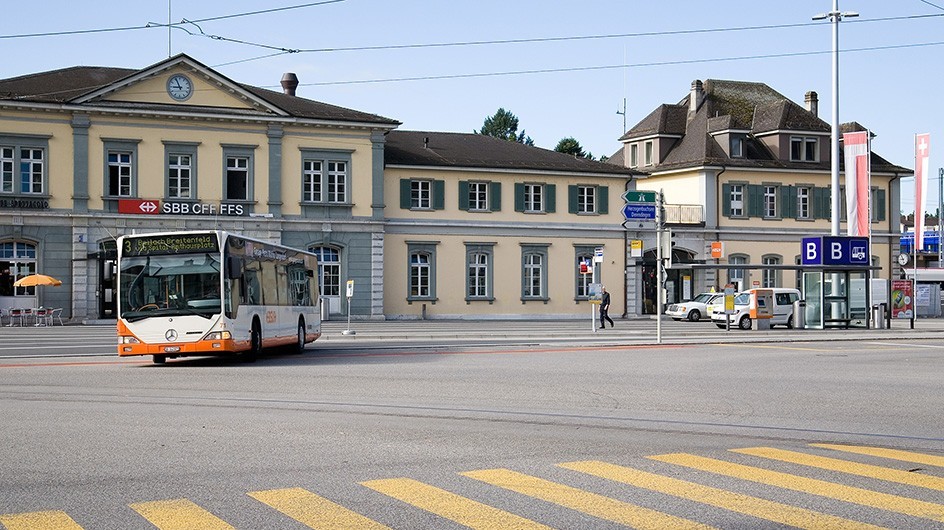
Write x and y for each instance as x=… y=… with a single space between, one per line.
x=684 y=214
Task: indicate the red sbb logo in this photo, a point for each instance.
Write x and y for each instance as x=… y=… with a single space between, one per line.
x=139 y=206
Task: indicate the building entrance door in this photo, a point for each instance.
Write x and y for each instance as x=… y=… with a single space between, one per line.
x=675 y=286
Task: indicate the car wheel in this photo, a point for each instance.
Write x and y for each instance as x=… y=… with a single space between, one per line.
x=790 y=322
x=694 y=316
x=745 y=323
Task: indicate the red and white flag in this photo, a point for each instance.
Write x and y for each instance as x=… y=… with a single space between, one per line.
x=922 y=150
x=855 y=148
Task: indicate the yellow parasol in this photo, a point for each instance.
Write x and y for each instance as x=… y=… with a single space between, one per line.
x=36 y=279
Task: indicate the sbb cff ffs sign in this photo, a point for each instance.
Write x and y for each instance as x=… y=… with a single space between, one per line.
x=836 y=250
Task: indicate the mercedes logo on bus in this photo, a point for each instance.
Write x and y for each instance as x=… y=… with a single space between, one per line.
x=171 y=335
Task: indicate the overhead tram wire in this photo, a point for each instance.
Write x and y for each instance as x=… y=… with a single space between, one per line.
x=615 y=66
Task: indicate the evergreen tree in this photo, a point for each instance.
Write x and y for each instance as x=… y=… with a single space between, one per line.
x=504 y=125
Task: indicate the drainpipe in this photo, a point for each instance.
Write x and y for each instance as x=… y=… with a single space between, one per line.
x=719 y=200
x=625 y=261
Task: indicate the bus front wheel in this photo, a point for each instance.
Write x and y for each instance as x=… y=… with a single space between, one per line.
x=255 y=343
x=160 y=359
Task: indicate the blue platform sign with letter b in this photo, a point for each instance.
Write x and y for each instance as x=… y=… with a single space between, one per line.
x=836 y=250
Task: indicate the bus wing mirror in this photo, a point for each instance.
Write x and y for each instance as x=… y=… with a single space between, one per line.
x=234 y=267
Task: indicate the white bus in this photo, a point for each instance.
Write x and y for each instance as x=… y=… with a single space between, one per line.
x=210 y=292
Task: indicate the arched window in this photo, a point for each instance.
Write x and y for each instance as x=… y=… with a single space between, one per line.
x=17 y=259
x=771 y=277
x=419 y=275
x=329 y=270
x=738 y=277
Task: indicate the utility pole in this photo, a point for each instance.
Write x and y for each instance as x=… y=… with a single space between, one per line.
x=660 y=274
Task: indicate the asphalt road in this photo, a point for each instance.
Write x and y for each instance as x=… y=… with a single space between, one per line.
x=457 y=430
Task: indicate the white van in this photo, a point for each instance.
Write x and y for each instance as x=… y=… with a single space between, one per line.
x=783 y=309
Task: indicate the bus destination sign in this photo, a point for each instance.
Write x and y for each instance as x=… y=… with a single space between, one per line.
x=170 y=244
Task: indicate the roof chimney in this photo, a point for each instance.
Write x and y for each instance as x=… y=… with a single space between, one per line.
x=289 y=83
x=697 y=96
x=812 y=103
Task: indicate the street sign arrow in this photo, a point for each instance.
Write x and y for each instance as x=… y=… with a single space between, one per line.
x=640 y=196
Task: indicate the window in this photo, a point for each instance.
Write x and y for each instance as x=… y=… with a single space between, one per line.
x=181 y=174
x=584 y=255
x=23 y=165
x=770 y=201
x=804 y=198
x=586 y=199
x=421 y=194
x=329 y=270
x=648 y=155
x=533 y=197
x=803 y=149
x=478 y=196
x=325 y=177
x=421 y=275
x=121 y=171
x=237 y=178
x=17 y=259
x=633 y=155
x=479 y=271
x=737 y=276
x=534 y=272
x=737 y=146
x=770 y=277
x=737 y=200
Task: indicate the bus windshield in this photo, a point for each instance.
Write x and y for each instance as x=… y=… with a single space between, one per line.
x=179 y=284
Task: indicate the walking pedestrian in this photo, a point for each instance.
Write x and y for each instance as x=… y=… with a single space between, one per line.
x=605 y=308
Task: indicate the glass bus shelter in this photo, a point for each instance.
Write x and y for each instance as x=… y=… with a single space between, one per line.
x=836 y=297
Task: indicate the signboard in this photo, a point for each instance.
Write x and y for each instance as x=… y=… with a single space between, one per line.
x=835 y=250
x=155 y=245
x=350 y=288
x=903 y=299
x=635 y=248
x=717 y=250
x=598 y=255
x=640 y=196
x=635 y=210
x=139 y=206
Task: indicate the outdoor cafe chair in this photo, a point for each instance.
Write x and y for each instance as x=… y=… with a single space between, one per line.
x=53 y=315
x=16 y=317
x=40 y=316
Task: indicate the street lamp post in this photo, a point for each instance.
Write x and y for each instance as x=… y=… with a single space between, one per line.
x=835 y=16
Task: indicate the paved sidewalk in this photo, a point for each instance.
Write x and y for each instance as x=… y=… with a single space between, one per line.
x=641 y=331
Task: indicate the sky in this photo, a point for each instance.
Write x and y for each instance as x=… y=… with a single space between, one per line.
x=439 y=65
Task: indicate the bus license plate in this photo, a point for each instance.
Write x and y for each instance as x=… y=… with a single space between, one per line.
x=171 y=349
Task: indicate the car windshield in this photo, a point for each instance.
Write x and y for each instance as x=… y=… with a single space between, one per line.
x=703 y=298
x=742 y=299
x=170 y=285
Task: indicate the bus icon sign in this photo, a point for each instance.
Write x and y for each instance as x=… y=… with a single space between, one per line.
x=858 y=253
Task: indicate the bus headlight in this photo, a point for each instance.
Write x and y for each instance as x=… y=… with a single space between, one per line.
x=128 y=339
x=218 y=335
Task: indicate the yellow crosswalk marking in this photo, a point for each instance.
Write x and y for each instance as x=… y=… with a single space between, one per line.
x=843 y=466
x=582 y=501
x=734 y=502
x=864 y=497
x=894 y=454
x=50 y=520
x=314 y=511
x=179 y=514
x=451 y=506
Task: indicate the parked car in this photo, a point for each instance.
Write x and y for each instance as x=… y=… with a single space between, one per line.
x=695 y=309
x=783 y=309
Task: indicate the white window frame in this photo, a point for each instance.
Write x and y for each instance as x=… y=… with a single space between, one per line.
x=24 y=152
x=179 y=176
x=649 y=148
x=533 y=198
x=770 y=201
x=236 y=165
x=770 y=277
x=586 y=199
x=421 y=194
x=420 y=275
x=804 y=149
x=478 y=196
x=804 y=202
x=737 y=200
x=633 y=155
x=478 y=277
x=122 y=169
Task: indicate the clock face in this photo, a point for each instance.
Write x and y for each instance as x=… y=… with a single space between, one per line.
x=903 y=259
x=179 y=87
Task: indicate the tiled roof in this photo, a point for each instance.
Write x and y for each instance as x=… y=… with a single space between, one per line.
x=748 y=106
x=67 y=84
x=466 y=150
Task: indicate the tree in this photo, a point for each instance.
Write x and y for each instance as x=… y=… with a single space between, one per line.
x=571 y=146
x=504 y=125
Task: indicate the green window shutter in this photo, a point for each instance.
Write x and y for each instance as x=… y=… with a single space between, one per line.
x=821 y=200
x=755 y=200
x=571 y=199
x=439 y=194
x=405 y=194
x=551 y=204
x=726 y=200
x=879 y=205
x=494 y=190
x=519 y=197
x=464 y=195
x=788 y=202
x=603 y=200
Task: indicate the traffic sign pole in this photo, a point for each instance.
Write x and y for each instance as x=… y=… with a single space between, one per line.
x=659 y=274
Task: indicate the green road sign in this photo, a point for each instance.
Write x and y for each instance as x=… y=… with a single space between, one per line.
x=640 y=196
